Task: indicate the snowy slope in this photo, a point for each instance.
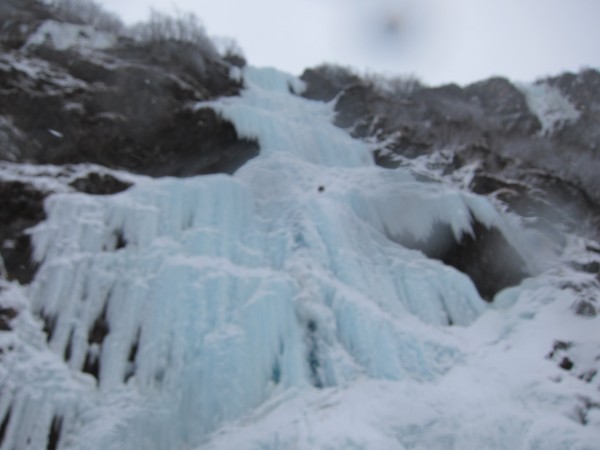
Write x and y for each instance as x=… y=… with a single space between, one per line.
x=271 y=310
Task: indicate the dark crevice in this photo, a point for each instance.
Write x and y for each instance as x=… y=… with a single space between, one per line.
x=4 y=426
x=100 y=328
x=68 y=348
x=6 y=316
x=314 y=364
x=22 y=207
x=96 y=336
x=120 y=241
x=131 y=366
x=99 y=184
x=54 y=435
x=134 y=348
x=92 y=365
x=592 y=248
x=49 y=325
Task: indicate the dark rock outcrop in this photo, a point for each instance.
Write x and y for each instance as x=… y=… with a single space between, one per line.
x=99 y=184
x=22 y=207
x=17 y=20
x=130 y=106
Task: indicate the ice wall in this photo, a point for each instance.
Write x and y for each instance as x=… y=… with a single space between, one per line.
x=182 y=304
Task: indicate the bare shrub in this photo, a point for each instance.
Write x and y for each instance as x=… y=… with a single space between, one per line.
x=230 y=50
x=87 y=12
x=397 y=85
x=336 y=71
x=184 y=28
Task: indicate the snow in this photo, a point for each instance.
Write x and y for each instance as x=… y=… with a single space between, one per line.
x=64 y=36
x=496 y=396
x=550 y=106
x=33 y=71
x=258 y=311
x=55 y=133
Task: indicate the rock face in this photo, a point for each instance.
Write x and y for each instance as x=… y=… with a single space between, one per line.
x=22 y=207
x=126 y=107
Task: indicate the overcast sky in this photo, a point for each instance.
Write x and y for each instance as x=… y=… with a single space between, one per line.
x=437 y=40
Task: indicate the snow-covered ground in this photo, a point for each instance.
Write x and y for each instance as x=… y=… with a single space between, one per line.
x=269 y=310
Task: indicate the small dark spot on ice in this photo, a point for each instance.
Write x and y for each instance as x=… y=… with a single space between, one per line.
x=321 y=189
x=566 y=364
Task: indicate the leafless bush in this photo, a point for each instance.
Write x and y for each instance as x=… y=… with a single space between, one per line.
x=385 y=86
x=183 y=28
x=398 y=85
x=336 y=71
x=88 y=12
x=230 y=51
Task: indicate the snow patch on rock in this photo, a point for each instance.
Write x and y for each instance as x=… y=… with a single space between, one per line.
x=64 y=36
x=549 y=104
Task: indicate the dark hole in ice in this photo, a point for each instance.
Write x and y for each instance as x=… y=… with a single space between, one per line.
x=4 y=426
x=130 y=370
x=96 y=337
x=121 y=242
x=99 y=184
x=18 y=260
x=485 y=257
x=566 y=364
x=134 y=348
x=313 y=355
x=92 y=365
x=49 y=325
x=100 y=328
x=68 y=348
x=6 y=315
x=22 y=206
x=54 y=435
x=321 y=188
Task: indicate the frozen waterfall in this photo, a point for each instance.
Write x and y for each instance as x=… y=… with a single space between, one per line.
x=182 y=308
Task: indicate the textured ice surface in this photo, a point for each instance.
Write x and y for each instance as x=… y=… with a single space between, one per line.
x=269 y=309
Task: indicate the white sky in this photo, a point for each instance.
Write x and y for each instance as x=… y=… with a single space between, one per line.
x=437 y=40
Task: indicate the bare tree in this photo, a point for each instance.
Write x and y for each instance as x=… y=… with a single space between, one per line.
x=183 y=28
x=88 y=12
